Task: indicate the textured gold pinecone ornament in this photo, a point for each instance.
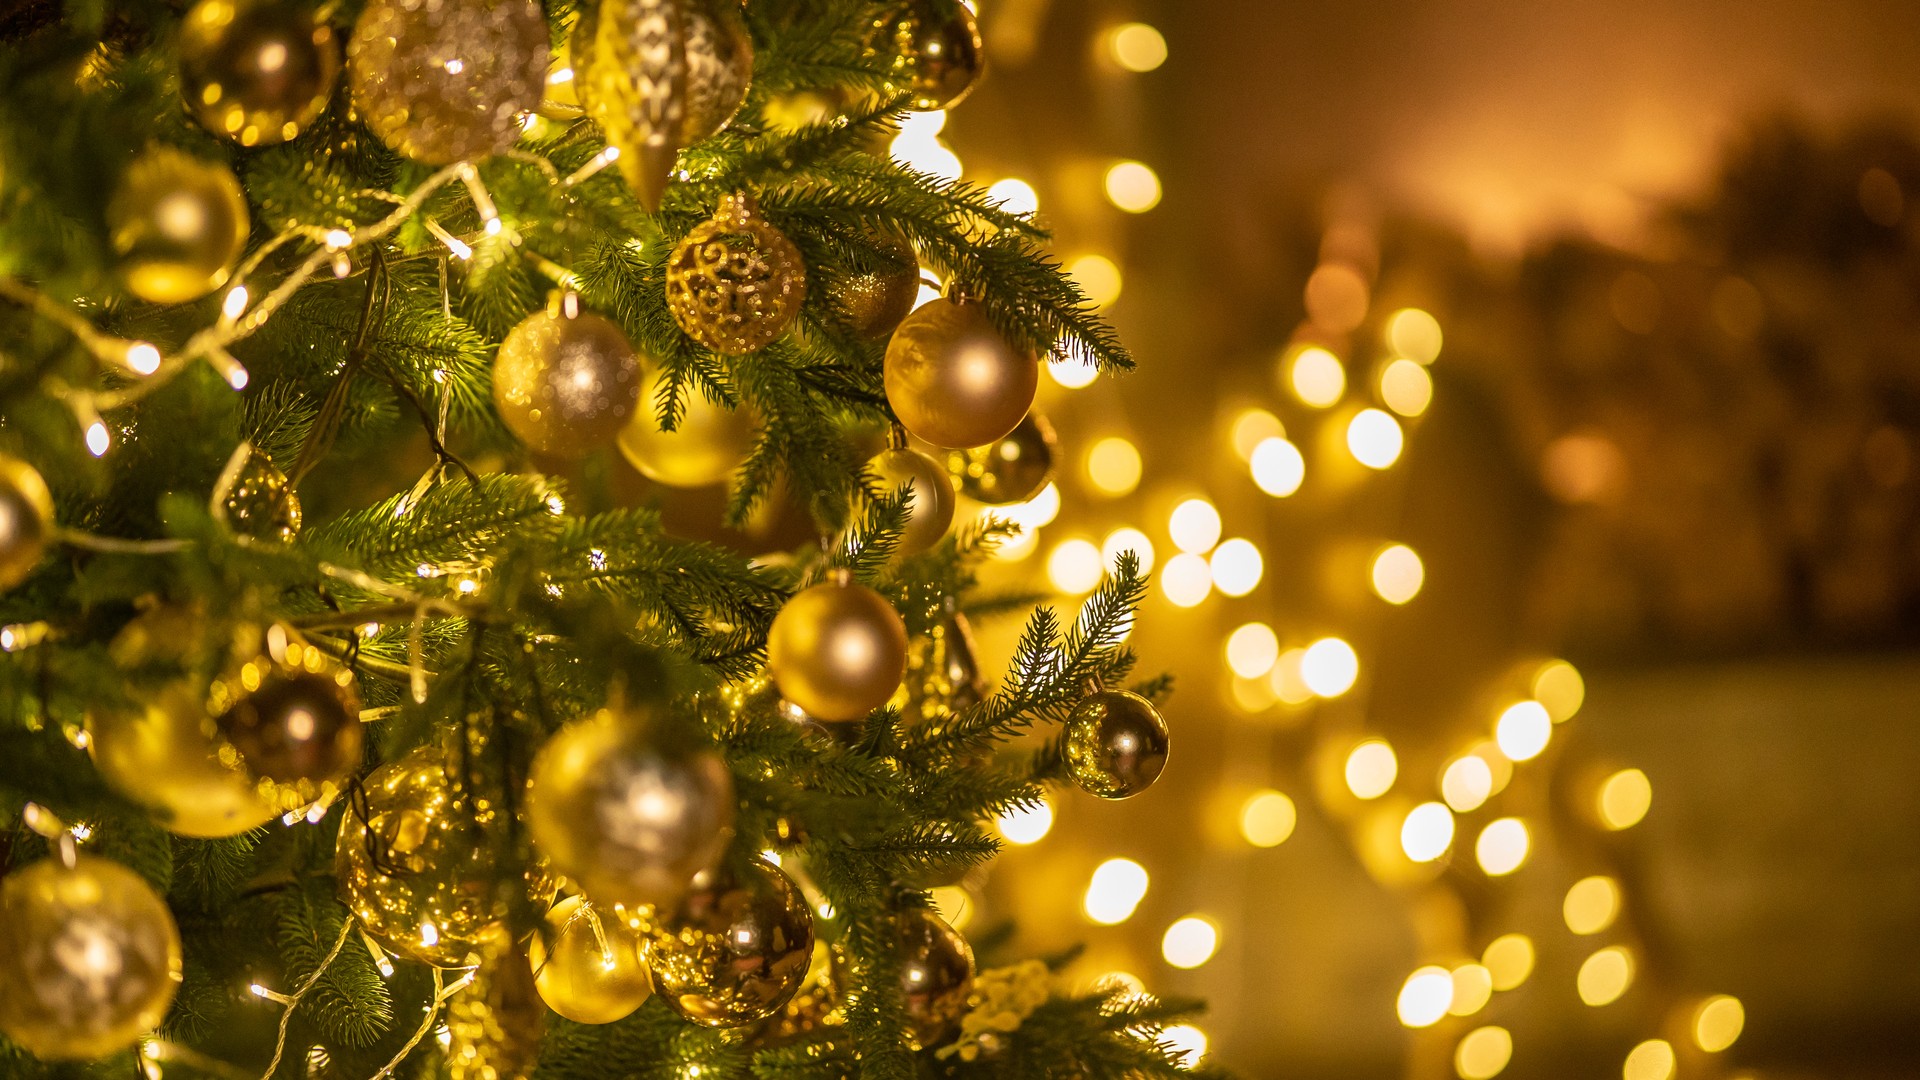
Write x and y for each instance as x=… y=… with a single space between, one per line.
x=876 y=299
x=735 y=283
x=662 y=75
x=936 y=50
x=566 y=380
x=178 y=225
x=1116 y=744
x=254 y=498
x=494 y=1026
x=943 y=671
x=293 y=714
x=735 y=949
x=1011 y=469
x=26 y=519
x=446 y=80
x=256 y=71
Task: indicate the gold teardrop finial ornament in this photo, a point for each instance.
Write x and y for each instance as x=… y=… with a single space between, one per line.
x=735 y=283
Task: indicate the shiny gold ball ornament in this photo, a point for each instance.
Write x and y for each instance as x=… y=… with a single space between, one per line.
x=566 y=381
x=442 y=81
x=735 y=948
x=495 y=1024
x=254 y=498
x=178 y=225
x=703 y=449
x=875 y=300
x=293 y=714
x=26 y=519
x=165 y=756
x=936 y=975
x=89 y=958
x=256 y=71
x=1116 y=744
x=936 y=49
x=587 y=965
x=931 y=511
x=662 y=75
x=1009 y=470
x=735 y=282
x=955 y=381
x=838 y=650
x=628 y=817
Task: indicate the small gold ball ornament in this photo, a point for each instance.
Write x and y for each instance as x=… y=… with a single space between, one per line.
x=256 y=71
x=442 y=81
x=566 y=381
x=495 y=1025
x=626 y=816
x=707 y=445
x=178 y=225
x=936 y=975
x=735 y=948
x=943 y=671
x=1116 y=744
x=932 y=509
x=875 y=300
x=254 y=498
x=937 y=53
x=735 y=283
x=166 y=757
x=1009 y=470
x=89 y=958
x=588 y=965
x=26 y=519
x=293 y=714
x=955 y=381
x=838 y=650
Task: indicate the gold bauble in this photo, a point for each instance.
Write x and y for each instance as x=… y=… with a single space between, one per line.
x=293 y=714
x=89 y=958
x=937 y=54
x=26 y=519
x=1116 y=744
x=178 y=225
x=256 y=71
x=588 y=965
x=566 y=384
x=735 y=948
x=955 y=381
x=838 y=650
x=1009 y=470
x=943 y=671
x=735 y=283
x=495 y=1025
x=628 y=817
x=876 y=299
x=936 y=975
x=932 y=508
x=165 y=756
x=703 y=449
x=662 y=75
x=254 y=498
x=442 y=81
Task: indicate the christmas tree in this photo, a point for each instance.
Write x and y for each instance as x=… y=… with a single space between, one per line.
x=358 y=722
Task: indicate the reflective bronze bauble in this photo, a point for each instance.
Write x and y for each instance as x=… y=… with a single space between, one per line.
x=442 y=81
x=566 y=383
x=955 y=381
x=936 y=975
x=628 y=817
x=293 y=713
x=254 y=498
x=89 y=958
x=1116 y=744
x=876 y=299
x=931 y=511
x=735 y=283
x=1009 y=470
x=838 y=650
x=709 y=442
x=936 y=50
x=588 y=964
x=26 y=519
x=494 y=1025
x=165 y=756
x=736 y=947
x=178 y=225
x=256 y=71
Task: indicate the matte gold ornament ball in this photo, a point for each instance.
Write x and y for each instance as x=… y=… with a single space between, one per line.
x=875 y=300
x=178 y=225
x=587 y=964
x=703 y=449
x=293 y=715
x=1009 y=470
x=936 y=49
x=931 y=511
x=26 y=519
x=89 y=958
x=735 y=283
x=735 y=949
x=953 y=380
x=256 y=71
x=1116 y=744
x=626 y=816
x=254 y=498
x=936 y=975
x=838 y=650
x=495 y=1025
x=566 y=383
x=442 y=81
x=165 y=756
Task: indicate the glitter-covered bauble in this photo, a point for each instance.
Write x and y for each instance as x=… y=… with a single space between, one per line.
x=566 y=383
x=446 y=80
x=1116 y=744
x=735 y=282
x=662 y=75
x=256 y=71
x=936 y=975
x=932 y=509
x=874 y=300
x=165 y=756
x=1009 y=470
x=494 y=1025
x=628 y=816
x=587 y=964
x=735 y=948
x=709 y=442
x=838 y=650
x=26 y=519
x=943 y=671
x=89 y=958
x=936 y=50
x=254 y=498
x=293 y=713
x=952 y=378
x=178 y=226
